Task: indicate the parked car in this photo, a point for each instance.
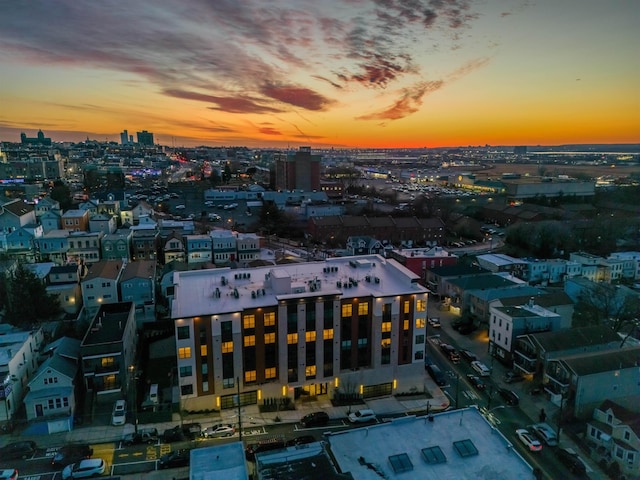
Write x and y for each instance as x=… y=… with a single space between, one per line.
x=528 y=440
x=362 y=416
x=301 y=440
x=509 y=396
x=315 y=419
x=119 y=414
x=570 y=459
x=218 y=431
x=84 y=469
x=545 y=433
x=481 y=368
x=450 y=352
x=513 y=376
x=173 y=434
x=23 y=449
x=476 y=381
x=263 y=446
x=437 y=375
x=71 y=453
x=144 y=435
x=191 y=430
x=180 y=207
x=177 y=458
x=434 y=322
x=9 y=474
x=468 y=356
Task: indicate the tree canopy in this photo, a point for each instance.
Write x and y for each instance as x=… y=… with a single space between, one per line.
x=24 y=299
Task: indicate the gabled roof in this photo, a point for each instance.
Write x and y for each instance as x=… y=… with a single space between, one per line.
x=104 y=269
x=599 y=362
x=573 y=338
x=66 y=347
x=18 y=207
x=59 y=364
x=626 y=416
x=139 y=269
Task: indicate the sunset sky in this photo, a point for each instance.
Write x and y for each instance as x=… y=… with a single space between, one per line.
x=343 y=73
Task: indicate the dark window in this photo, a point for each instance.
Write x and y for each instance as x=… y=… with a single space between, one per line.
x=183 y=333
x=186 y=389
x=227 y=332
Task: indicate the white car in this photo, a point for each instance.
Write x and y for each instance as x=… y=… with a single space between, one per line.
x=481 y=368
x=119 y=415
x=89 y=467
x=434 y=322
x=529 y=440
x=180 y=207
x=362 y=416
x=545 y=433
x=217 y=431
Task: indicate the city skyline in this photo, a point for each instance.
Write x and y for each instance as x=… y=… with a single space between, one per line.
x=369 y=74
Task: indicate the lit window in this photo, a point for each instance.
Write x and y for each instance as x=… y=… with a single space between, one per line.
x=184 y=352
x=405 y=325
x=292 y=338
x=363 y=308
x=385 y=343
x=107 y=362
x=203 y=350
x=249 y=340
x=310 y=336
x=249 y=321
x=250 y=376
x=227 y=347
x=347 y=310
x=386 y=327
x=269 y=338
x=420 y=323
x=269 y=319
x=407 y=306
x=270 y=372
x=328 y=334
x=421 y=305
x=310 y=371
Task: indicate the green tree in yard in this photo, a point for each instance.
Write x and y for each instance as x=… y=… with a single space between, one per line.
x=24 y=299
x=61 y=193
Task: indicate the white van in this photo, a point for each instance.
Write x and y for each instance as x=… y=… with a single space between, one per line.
x=153 y=394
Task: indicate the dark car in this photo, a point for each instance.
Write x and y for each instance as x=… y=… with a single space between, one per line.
x=24 y=449
x=466 y=328
x=450 y=352
x=513 y=376
x=437 y=375
x=571 y=460
x=509 y=396
x=468 y=356
x=301 y=440
x=71 y=453
x=174 y=434
x=264 y=446
x=191 y=430
x=475 y=381
x=315 y=419
x=145 y=435
x=177 y=458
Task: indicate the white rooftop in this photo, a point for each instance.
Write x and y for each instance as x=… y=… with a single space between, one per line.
x=223 y=290
x=414 y=447
x=223 y=462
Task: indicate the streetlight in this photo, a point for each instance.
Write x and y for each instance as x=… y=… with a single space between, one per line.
x=133 y=376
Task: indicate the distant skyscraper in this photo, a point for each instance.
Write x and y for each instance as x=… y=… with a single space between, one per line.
x=145 y=138
x=124 y=137
x=298 y=171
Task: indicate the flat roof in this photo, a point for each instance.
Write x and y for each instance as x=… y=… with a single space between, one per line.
x=109 y=324
x=223 y=290
x=223 y=462
x=458 y=444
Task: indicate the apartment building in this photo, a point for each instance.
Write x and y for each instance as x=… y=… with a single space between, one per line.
x=352 y=326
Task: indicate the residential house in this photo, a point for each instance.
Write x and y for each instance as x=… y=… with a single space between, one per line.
x=104 y=223
x=585 y=380
x=248 y=246
x=90 y=206
x=533 y=351
x=45 y=205
x=615 y=431
x=173 y=248
x=84 y=247
x=224 y=247
x=110 y=209
x=364 y=245
x=137 y=285
x=53 y=246
x=108 y=350
x=437 y=278
x=508 y=323
x=548 y=271
x=478 y=301
x=199 y=249
x=116 y=245
x=76 y=220
x=52 y=395
x=610 y=298
x=553 y=300
x=419 y=260
x=498 y=262
x=457 y=291
x=142 y=209
x=15 y=214
x=144 y=243
x=18 y=362
x=100 y=285
x=630 y=265
x=64 y=282
x=50 y=221
x=20 y=243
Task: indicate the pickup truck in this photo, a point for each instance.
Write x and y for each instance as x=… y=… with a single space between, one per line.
x=144 y=435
